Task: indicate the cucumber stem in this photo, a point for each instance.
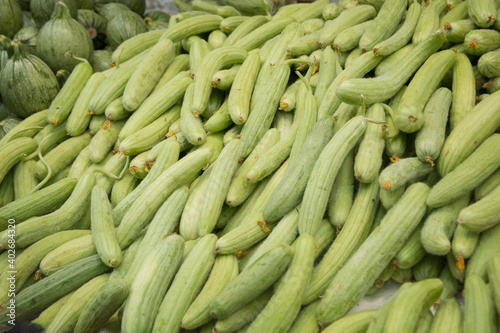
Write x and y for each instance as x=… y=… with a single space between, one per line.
x=49 y=169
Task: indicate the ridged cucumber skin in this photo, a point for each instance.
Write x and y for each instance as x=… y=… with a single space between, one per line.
x=181 y=30
x=217 y=186
x=224 y=270
x=463 y=244
x=79 y=118
x=65 y=100
x=167 y=157
x=29 y=127
x=325 y=169
x=486 y=249
x=103 y=141
x=456 y=31
x=405 y=311
x=114 y=84
x=383 y=243
x=122 y=188
x=439 y=227
x=357 y=322
x=37 y=203
x=11 y=153
x=290 y=190
x=24 y=179
x=479 y=42
x=483 y=214
x=342 y=193
x=143 y=209
x=428 y=268
x=246 y=286
x=489 y=64
x=156 y=104
x=103 y=231
x=261 y=33
x=149 y=136
x=306 y=320
x=270 y=85
x=28 y=260
x=62 y=155
x=351 y=236
x=277 y=53
x=179 y=64
x=306 y=111
x=285 y=304
x=7 y=190
x=348 y=39
x=463 y=90
x=48 y=314
x=448 y=317
x=147 y=74
x=229 y=24
x=403 y=172
x=412 y=252
x=240 y=189
x=494 y=278
x=479 y=313
x=191 y=123
x=482 y=12
x=67 y=253
x=101 y=306
x=458 y=12
x=114 y=165
x=67 y=317
x=116 y=111
x=330 y=68
x=391 y=60
x=430 y=138
x=80 y=164
x=68 y=214
x=451 y=285
x=34 y=299
x=186 y=285
x=151 y=283
x=468 y=175
x=244 y=29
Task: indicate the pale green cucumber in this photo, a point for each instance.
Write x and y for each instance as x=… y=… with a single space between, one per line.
x=151 y=283
x=430 y=138
x=342 y=193
x=51 y=136
x=24 y=179
x=348 y=39
x=191 y=123
x=329 y=69
x=345 y=291
x=95 y=123
x=493 y=269
x=487 y=186
x=186 y=285
x=448 y=317
x=357 y=322
x=456 y=11
x=488 y=64
x=451 y=285
x=29 y=127
x=45 y=318
x=428 y=22
x=246 y=28
x=224 y=270
x=403 y=172
x=122 y=188
x=278 y=52
x=483 y=214
x=483 y=12
x=463 y=245
x=479 y=313
x=323 y=174
x=312 y=25
x=198 y=50
x=427 y=268
x=104 y=140
x=464 y=92
x=115 y=165
x=486 y=249
x=179 y=64
x=481 y=41
x=468 y=175
x=246 y=286
x=12 y=152
x=223 y=79
x=351 y=236
x=412 y=251
x=7 y=189
x=259 y=34
x=116 y=111
x=393 y=59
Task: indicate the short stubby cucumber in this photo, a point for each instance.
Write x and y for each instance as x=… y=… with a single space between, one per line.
x=402 y=172
x=479 y=42
x=483 y=12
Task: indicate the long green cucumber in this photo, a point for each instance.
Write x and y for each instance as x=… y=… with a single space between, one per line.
x=451 y=285
x=48 y=314
x=186 y=285
x=122 y=188
x=329 y=69
x=351 y=236
x=246 y=286
x=7 y=189
x=345 y=291
x=306 y=320
x=429 y=21
x=402 y=172
x=24 y=178
x=487 y=186
x=102 y=142
x=262 y=33
x=224 y=270
x=116 y=111
x=67 y=317
x=151 y=283
x=64 y=101
x=191 y=123
x=463 y=245
x=486 y=249
x=29 y=127
x=430 y=138
x=245 y=28
x=115 y=165
x=37 y=203
x=357 y=322
x=51 y=136
x=468 y=175
x=325 y=169
x=12 y=152
x=179 y=64
x=342 y=193
x=288 y=194
x=143 y=209
x=385 y=86
x=348 y=39
x=479 y=313
x=448 y=317
x=412 y=251
x=34 y=299
x=458 y=11
x=464 y=92
x=481 y=41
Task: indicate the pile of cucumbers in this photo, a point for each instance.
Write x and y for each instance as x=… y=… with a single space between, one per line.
x=250 y=166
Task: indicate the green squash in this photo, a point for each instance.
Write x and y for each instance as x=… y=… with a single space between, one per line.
x=41 y=10
x=5 y=51
x=138 y=6
x=4 y=113
x=124 y=26
x=11 y=17
x=110 y=10
x=27 y=84
x=85 y=4
x=102 y=60
x=62 y=34
x=156 y=20
x=28 y=36
x=95 y=25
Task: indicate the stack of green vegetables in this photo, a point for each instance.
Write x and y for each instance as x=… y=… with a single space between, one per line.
x=230 y=171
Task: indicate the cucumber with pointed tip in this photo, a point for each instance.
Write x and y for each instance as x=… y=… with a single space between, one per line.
x=402 y=172
x=483 y=214
x=62 y=155
x=323 y=174
x=224 y=270
x=448 y=317
x=147 y=137
x=481 y=41
x=143 y=208
x=463 y=90
x=64 y=101
x=156 y=104
x=246 y=286
x=12 y=152
x=385 y=86
x=347 y=242
x=479 y=313
x=151 y=283
x=191 y=124
x=439 y=227
x=486 y=249
x=288 y=194
x=430 y=138
x=102 y=142
x=187 y=283
x=373 y=255
x=147 y=74
x=278 y=52
x=483 y=12
x=468 y=175
x=474 y=128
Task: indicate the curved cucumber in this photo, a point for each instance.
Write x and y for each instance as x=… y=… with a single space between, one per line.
x=448 y=317
x=479 y=313
x=483 y=214
x=402 y=172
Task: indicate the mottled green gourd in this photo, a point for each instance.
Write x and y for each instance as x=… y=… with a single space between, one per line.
x=41 y=10
x=27 y=72
x=123 y=27
x=60 y=35
x=11 y=17
x=28 y=36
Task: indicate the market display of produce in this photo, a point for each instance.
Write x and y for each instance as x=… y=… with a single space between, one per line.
x=249 y=166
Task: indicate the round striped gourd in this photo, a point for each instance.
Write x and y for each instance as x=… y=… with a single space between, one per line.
x=11 y=17
x=41 y=10
x=123 y=27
